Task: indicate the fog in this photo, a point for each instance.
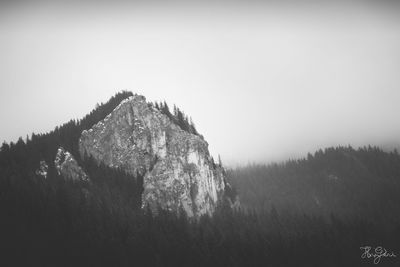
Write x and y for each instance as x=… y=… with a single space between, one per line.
x=262 y=81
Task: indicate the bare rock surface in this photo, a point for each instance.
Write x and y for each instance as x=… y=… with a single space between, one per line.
x=43 y=169
x=68 y=167
x=178 y=170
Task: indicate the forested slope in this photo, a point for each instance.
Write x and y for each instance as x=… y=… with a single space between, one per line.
x=349 y=183
x=59 y=222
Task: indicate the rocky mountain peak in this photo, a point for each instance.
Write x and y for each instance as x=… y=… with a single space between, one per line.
x=178 y=171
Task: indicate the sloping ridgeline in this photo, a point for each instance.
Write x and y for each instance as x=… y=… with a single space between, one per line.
x=349 y=183
x=47 y=219
x=40 y=210
x=54 y=221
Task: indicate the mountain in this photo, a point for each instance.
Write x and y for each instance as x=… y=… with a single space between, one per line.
x=349 y=183
x=84 y=195
x=160 y=151
x=178 y=170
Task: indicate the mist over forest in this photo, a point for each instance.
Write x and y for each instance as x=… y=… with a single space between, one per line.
x=331 y=203
x=199 y=133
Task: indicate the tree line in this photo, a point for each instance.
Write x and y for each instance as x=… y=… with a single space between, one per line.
x=351 y=183
x=177 y=116
x=58 y=222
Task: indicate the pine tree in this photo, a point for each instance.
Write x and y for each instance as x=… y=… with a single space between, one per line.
x=219 y=161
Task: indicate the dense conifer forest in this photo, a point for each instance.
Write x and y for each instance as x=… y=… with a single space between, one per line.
x=316 y=211
x=359 y=183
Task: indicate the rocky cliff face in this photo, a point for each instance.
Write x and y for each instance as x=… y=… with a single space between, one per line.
x=177 y=167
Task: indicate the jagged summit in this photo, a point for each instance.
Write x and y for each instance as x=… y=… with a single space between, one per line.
x=138 y=137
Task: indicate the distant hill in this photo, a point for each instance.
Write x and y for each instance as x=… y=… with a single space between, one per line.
x=350 y=183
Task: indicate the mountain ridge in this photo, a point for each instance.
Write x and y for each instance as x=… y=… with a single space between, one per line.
x=157 y=142
x=347 y=182
x=179 y=172
x=48 y=220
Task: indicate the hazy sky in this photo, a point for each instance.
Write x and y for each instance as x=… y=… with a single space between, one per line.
x=262 y=81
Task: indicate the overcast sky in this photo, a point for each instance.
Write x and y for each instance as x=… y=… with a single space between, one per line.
x=262 y=81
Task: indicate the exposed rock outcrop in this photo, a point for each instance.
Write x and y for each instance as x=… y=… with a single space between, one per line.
x=178 y=170
x=68 y=167
x=43 y=168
